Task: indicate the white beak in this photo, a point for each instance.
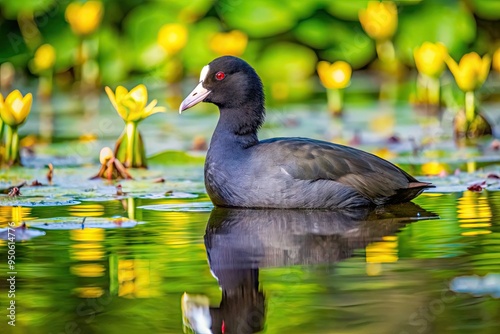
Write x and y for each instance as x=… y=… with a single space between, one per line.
x=196 y=96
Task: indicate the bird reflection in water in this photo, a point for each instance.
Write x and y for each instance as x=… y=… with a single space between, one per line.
x=241 y=241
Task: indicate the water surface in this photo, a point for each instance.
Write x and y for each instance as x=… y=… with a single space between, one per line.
x=278 y=271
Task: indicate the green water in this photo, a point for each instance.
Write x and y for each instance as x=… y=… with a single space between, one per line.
x=284 y=272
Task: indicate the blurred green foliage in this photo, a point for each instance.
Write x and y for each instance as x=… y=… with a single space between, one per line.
x=454 y=26
x=286 y=39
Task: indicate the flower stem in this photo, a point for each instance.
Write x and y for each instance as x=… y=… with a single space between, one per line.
x=385 y=51
x=137 y=162
x=131 y=207
x=1 y=130
x=8 y=143
x=428 y=90
x=29 y=29
x=140 y=160
x=335 y=100
x=131 y=130
x=143 y=151
x=120 y=147
x=11 y=145
x=80 y=58
x=45 y=84
x=433 y=91
x=15 y=146
x=469 y=106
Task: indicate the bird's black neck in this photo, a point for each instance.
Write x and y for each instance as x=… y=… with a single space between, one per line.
x=238 y=126
x=241 y=114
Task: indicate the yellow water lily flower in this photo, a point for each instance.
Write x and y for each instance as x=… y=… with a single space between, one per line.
x=336 y=75
x=15 y=108
x=434 y=168
x=379 y=19
x=471 y=72
x=172 y=37
x=131 y=106
x=45 y=58
x=232 y=43
x=430 y=59
x=84 y=18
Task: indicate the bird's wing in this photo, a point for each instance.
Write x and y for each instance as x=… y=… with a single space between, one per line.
x=307 y=159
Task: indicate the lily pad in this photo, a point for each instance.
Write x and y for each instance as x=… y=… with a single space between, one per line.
x=169 y=195
x=41 y=161
x=37 y=201
x=447 y=189
x=70 y=223
x=176 y=157
x=185 y=207
x=464 y=181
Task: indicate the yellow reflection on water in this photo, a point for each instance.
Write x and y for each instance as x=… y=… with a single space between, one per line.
x=91 y=254
x=88 y=246
x=473 y=233
x=89 y=292
x=88 y=270
x=131 y=207
x=87 y=210
x=16 y=214
x=88 y=249
x=474 y=212
x=135 y=277
x=177 y=236
x=475 y=225
x=385 y=251
x=87 y=234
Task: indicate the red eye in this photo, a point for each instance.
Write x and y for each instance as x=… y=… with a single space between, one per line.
x=220 y=75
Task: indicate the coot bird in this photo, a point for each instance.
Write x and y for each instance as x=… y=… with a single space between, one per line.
x=286 y=173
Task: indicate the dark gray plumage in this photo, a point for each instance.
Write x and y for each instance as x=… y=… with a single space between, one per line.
x=241 y=171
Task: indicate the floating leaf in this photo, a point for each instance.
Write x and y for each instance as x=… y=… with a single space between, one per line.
x=176 y=157
x=71 y=223
x=37 y=201
x=185 y=207
x=168 y=195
